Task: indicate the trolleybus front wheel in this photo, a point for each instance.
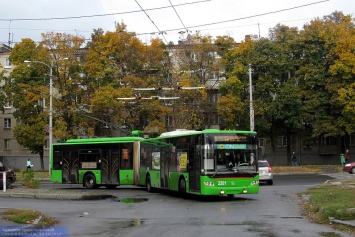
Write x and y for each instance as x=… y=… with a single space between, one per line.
x=89 y=181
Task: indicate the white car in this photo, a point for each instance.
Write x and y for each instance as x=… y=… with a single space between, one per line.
x=265 y=172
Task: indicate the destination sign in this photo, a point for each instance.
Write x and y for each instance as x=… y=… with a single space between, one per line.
x=234 y=138
x=231 y=146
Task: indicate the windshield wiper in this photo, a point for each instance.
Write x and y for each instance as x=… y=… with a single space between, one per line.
x=224 y=169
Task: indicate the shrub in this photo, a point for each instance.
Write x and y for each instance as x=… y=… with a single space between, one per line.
x=29 y=179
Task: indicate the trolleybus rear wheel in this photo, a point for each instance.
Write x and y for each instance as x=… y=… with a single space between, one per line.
x=89 y=181
x=182 y=186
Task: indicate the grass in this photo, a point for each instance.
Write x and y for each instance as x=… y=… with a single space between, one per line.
x=308 y=169
x=25 y=216
x=334 y=199
x=20 y=176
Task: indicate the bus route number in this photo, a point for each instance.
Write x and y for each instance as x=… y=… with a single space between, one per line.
x=222 y=183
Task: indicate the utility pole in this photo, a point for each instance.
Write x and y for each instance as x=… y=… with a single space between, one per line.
x=251 y=101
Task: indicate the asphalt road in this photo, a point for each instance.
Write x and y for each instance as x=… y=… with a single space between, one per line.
x=274 y=212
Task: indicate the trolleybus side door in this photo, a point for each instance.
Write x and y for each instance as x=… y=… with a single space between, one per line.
x=110 y=167
x=70 y=165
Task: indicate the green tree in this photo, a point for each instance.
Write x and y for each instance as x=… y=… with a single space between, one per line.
x=276 y=98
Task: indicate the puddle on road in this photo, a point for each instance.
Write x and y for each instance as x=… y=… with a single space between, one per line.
x=133 y=200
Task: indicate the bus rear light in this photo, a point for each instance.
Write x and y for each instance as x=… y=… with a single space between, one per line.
x=208 y=183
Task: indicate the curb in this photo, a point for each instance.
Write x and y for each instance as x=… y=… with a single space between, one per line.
x=348 y=223
x=56 y=196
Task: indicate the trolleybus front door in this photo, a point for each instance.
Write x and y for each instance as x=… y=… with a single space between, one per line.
x=195 y=169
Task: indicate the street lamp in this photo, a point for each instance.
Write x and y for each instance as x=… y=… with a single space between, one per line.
x=50 y=107
x=251 y=101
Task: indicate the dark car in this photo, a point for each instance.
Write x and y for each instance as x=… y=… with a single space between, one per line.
x=10 y=176
x=350 y=167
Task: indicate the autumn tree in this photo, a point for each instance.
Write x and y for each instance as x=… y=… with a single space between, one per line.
x=119 y=62
x=61 y=51
x=26 y=90
x=324 y=51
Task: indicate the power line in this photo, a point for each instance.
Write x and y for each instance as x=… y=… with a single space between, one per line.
x=247 y=17
x=179 y=29
x=98 y=15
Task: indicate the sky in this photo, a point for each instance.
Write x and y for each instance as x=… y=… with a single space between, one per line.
x=172 y=18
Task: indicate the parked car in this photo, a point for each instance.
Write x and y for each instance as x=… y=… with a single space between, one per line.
x=350 y=167
x=265 y=172
x=10 y=176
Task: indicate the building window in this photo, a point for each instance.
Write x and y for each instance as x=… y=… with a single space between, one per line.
x=42 y=103
x=7 y=63
x=7 y=144
x=7 y=105
x=262 y=142
x=215 y=119
x=281 y=141
x=169 y=121
x=7 y=123
x=328 y=141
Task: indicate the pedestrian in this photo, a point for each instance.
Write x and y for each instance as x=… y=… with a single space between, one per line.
x=29 y=165
x=347 y=157
x=294 y=159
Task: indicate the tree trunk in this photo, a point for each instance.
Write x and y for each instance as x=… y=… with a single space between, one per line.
x=41 y=160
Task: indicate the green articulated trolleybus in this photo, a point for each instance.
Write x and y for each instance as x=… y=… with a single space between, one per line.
x=208 y=162
x=95 y=162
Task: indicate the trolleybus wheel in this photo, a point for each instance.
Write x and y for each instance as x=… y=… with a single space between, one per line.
x=89 y=181
x=182 y=186
x=149 y=184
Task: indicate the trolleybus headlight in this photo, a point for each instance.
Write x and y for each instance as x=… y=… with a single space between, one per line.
x=208 y=183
